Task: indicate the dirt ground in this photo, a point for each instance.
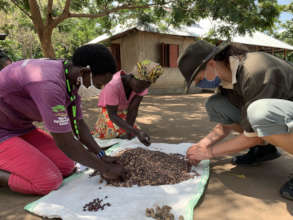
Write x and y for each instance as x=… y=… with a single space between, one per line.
x=233 y=193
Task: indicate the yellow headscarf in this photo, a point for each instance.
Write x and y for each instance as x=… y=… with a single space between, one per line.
x=148 y=70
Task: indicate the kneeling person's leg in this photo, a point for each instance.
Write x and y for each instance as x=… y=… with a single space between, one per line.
x=221 y=110
x=272 y=119
x=30 y=172
x=46 y=144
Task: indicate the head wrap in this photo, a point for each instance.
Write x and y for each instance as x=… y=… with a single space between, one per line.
x=148 y=70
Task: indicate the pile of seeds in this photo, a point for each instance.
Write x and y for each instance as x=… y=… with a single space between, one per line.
x=146 y=167
x=161 y=213
x=96 y=205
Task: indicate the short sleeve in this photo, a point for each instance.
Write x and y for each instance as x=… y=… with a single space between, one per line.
x=110 y=95
x=144 y=92
x=50 y=100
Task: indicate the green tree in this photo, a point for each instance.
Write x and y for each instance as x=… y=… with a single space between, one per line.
x=22 y=41
x=286 y=33
x=72 y=33
x=46 y=15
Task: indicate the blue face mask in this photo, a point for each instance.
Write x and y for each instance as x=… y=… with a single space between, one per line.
x=209 y=84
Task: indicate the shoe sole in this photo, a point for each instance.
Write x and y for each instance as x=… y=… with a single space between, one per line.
x=286 y=195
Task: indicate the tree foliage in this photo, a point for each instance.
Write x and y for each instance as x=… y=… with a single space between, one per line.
x=48 y=15
x=22 y=41
x=286 y=33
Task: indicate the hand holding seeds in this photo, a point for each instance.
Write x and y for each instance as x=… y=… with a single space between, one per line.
x=114 y=171
x=198 y=152
x=144 y=138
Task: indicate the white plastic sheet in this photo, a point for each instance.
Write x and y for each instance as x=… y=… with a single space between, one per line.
x=126 y=203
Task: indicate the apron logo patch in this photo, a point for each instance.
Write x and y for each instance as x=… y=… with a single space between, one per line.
x=62 y=121
x=58 y=108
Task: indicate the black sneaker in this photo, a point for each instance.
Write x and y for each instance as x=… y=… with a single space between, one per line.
x=256 y=155
x=287 y=190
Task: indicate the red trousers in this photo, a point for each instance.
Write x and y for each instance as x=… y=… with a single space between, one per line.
x=36 y=164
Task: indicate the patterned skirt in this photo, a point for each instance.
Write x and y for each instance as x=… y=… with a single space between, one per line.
x=105 y=128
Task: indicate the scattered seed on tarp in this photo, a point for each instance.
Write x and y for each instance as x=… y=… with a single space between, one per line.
x=148 y=212
x=162 y=213
x=95 y=205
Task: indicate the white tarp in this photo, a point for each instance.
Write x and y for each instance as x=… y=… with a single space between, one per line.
x=126 y=203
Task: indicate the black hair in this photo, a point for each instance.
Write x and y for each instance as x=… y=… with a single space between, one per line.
x=232 y=50
x=97 y=56
x=3 y=59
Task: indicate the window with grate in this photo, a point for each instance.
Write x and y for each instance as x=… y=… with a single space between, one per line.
x=169 y=55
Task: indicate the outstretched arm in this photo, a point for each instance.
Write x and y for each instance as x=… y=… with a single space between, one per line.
x=74 y=150
x=133 y=109
x=143 y=137
x=197 y=153
x=218 y=133
x=86 y=138
x=112 y=111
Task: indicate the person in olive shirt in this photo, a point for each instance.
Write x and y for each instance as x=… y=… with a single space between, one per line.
x=224 y=108
x=264 y=86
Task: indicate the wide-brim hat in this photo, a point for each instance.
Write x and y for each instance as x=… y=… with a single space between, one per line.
x=195 y=57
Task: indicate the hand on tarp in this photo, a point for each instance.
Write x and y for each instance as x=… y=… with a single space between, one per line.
x=193 y=162
x=144 y=138
x=198 y=152
x=115 y=171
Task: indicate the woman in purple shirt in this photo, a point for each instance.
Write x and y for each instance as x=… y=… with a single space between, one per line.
x=32 y=161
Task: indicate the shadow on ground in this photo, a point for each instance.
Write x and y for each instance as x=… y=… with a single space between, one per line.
x=233 y=193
